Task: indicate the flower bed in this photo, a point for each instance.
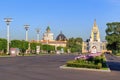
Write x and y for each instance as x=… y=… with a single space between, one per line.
x=88 y=55
x=97 y=62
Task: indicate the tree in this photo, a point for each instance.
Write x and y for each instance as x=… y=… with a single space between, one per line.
x=48 y=48
x=60 y=48
x=3 y=45
x=16 y=44
x=33 y=46
x=22 y=45
x=113 y=36
x=75 y=44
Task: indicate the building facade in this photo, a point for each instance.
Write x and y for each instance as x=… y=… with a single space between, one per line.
x=48 y=35
x=48 y=38
x=94 y=44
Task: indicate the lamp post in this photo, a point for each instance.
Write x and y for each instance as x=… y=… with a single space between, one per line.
x=47 y=42
x=8 y=20
x=26 y=28
x=38 y=31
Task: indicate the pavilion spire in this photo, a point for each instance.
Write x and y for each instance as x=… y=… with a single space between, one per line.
x=95 y=25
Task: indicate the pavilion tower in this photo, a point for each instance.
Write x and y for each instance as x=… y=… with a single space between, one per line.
x=95 y=34
x=95 y=38
x=94 y=43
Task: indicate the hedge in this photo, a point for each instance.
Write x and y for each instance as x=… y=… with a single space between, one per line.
x=95 y=62
x=84 y=65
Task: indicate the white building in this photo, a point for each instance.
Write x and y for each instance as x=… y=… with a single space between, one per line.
x=48 y=35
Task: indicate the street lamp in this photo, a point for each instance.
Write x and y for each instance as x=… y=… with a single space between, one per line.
x=47 y=43
x=26 y=28
x=8 y=20
x=38 y=31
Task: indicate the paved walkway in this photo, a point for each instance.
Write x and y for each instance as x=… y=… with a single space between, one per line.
x=47 y=68
x=113 y=62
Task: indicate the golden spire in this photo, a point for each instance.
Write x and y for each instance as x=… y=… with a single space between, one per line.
x=95 y=35
x=95 y=25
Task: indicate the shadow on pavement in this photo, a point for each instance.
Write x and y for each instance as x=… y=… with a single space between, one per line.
x=114 y=66
x=113 y=63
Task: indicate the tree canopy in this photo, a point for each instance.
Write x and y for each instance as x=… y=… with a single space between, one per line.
x=3 y=44
x=113 y=36
x=22 y=45
x=75 y=44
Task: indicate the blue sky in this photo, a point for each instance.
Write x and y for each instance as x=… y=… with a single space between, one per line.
x=73 y=17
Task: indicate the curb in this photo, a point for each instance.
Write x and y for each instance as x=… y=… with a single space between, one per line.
x=4 y=56
x=99 y=70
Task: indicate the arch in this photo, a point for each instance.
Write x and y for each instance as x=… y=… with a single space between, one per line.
x=94 y=49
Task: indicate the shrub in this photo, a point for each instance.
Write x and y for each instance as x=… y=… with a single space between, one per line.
x=83 y=64
x=91 y=59
x=99 y=66
x=93 y=62
x=97 y=60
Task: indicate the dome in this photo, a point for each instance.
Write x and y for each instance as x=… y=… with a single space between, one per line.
x=48 y=29
x=61 y=37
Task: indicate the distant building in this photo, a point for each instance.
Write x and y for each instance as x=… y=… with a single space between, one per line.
x=94 y=44
x=48 y=38
x=55 y=43
x=48 y=35
x=61 y=37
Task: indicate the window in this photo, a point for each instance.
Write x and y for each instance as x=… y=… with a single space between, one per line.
x=95 y=36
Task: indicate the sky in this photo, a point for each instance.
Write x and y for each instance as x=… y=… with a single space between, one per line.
x=74 y=18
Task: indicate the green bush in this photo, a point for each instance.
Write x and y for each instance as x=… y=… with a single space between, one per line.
x=97 y=60
x=118 y=54
x=83 y=64
x=93 y=62
x=99 y=66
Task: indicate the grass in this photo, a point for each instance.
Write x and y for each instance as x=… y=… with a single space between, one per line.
x=4 y=55
x=105 y=68
x=87 y=69
x=118 y=54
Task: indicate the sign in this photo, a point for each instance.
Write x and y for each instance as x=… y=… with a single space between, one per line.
x=14 y=51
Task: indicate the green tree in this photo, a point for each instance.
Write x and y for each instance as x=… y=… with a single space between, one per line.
x=16 y=44
x=59 y=48
x=22 y=45
x=33 y=46
x=113 y=36
x=3 y=45
x=64 y=48
x=75 y=44
x=48 y=48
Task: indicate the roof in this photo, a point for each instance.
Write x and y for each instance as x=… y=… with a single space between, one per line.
x=61 y=37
